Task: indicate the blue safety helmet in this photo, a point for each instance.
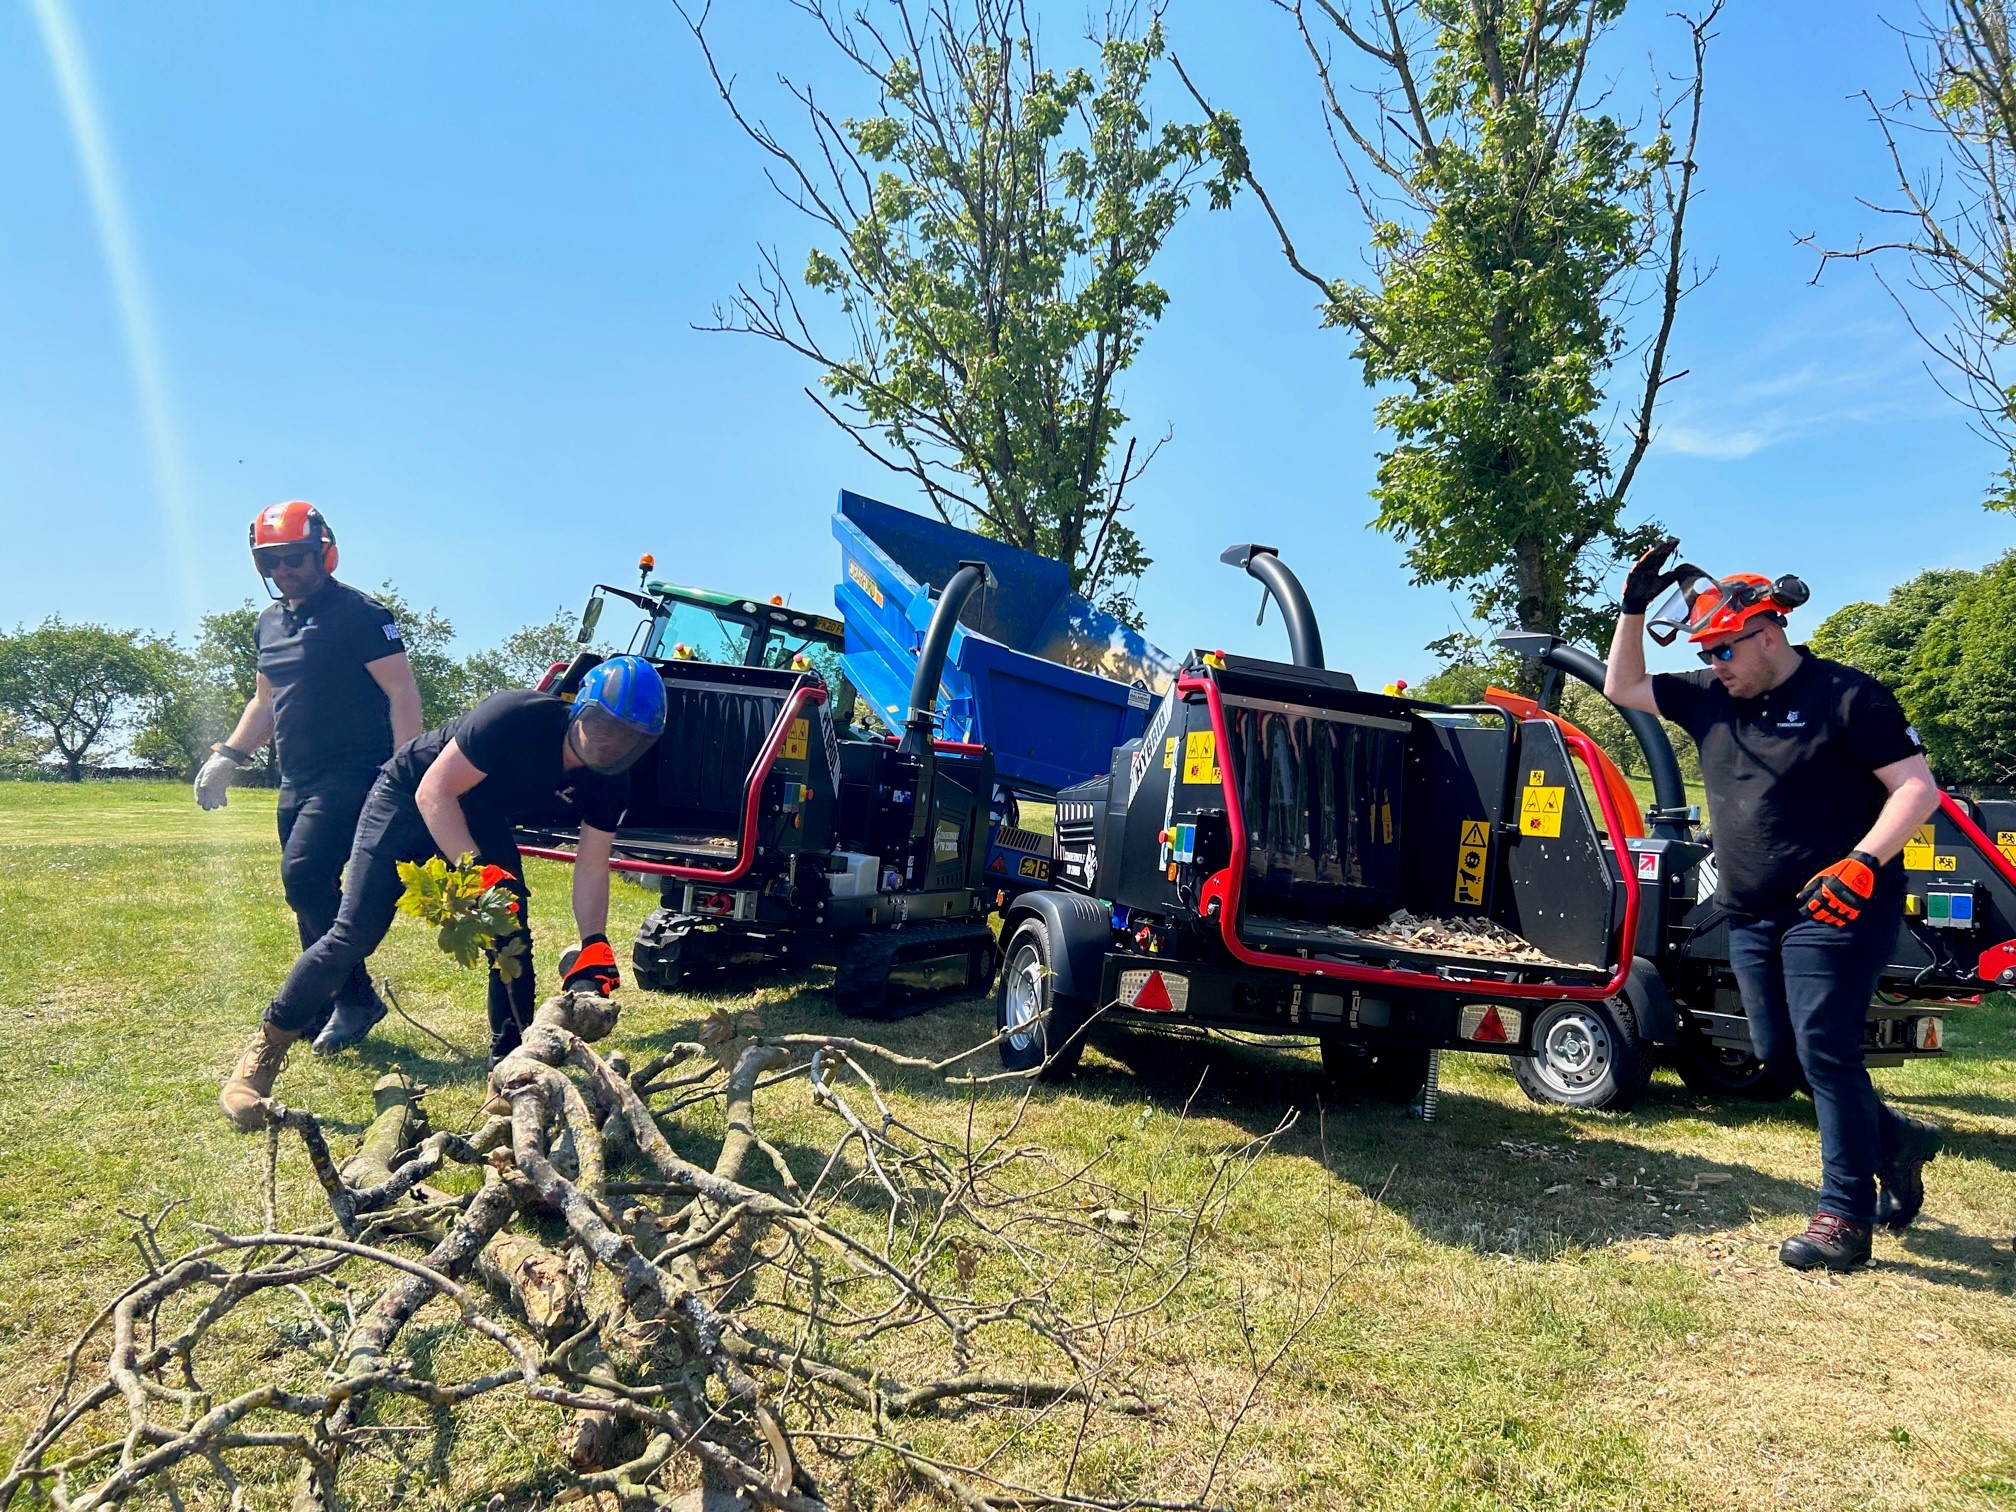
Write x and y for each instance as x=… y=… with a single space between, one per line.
x=619 y=710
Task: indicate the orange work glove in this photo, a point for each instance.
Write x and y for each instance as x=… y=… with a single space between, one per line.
x=594 y=969
x=1838 y=895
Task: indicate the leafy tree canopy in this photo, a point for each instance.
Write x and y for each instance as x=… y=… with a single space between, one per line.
x=1513 y=223
x=76 y=688
x=990 y=223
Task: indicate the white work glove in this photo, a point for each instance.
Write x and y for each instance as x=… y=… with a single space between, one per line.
x=213 y=780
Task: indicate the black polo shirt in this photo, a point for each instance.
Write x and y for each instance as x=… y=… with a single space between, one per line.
x=1791 y=775
x=514 y=738
x=331 y=721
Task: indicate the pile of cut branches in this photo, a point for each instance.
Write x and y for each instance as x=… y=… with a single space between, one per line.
x=740 y=1331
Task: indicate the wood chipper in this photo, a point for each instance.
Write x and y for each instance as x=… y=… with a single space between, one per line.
x=1284 y=852
x=783 y=836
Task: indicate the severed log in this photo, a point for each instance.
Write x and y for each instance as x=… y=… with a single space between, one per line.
x=399 y=1123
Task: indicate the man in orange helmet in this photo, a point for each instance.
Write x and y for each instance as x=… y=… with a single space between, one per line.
x=336 y=696
x=1815 y=781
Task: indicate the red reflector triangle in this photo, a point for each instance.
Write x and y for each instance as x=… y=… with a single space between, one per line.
x=1154 y=995
x=1491 y=1029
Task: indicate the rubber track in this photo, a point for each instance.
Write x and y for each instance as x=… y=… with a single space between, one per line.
x=861 y=981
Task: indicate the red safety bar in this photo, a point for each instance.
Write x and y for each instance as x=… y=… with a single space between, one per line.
x=949 y=747
x=1227 y=886
x=752 y=796
x=1979 y=836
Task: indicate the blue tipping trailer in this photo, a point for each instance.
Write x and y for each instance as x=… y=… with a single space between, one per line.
x=1047 y=682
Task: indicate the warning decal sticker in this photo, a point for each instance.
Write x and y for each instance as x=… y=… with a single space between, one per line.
x=1470 y=853
x=1540 y=809
x=1169 y=753
x=2005 y=842
x=1200 y=757
x=797 y=739
x=1918 y=850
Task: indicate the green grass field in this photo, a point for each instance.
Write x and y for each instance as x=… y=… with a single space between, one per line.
x=1531 y=1309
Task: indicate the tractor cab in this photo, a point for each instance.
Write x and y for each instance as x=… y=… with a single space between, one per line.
x=699 y=624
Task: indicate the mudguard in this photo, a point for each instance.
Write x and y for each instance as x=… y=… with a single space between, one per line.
x=1651 y=1004
x=1081 y=933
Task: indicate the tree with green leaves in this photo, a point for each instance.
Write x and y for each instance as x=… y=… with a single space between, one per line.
x=1882 y=639
x=75 y=689
x=521 y=658
x=1945 y=642
x=1961 y=691
x=1514 y=226
x=988 y=223
x=200 y=702
x=428 y=634
x=1951 y=135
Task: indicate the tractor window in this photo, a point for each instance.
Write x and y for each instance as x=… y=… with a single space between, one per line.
x=703 y=635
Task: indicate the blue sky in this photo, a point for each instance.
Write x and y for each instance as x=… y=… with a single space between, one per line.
x=436 y=268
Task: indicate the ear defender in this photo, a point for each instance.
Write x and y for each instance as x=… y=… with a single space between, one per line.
x=1789 y=592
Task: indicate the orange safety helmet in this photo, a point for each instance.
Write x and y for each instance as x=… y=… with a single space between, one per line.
x=294 y=523
x=1732 y=602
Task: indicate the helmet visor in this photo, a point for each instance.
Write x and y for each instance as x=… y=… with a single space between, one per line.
x=1675 y=613
x=604 y=743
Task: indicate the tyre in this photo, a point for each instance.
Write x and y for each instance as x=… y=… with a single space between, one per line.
x=1390 y=1074
x=1722 y=1071
x=1038 y=1028
x=658 y=957
x=1587 y=1055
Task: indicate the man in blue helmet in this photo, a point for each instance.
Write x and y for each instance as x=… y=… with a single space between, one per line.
x=458 y=791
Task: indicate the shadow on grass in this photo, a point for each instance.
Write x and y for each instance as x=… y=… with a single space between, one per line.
x=1942 y=1254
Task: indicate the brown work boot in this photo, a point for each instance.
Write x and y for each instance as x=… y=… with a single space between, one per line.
x=244 y=1096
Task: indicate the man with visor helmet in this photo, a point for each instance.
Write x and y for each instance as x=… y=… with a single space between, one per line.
x=336 y=695
x=460 y=791
x=1815 y=780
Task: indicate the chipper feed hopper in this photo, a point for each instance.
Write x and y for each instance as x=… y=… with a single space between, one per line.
x=782 y=837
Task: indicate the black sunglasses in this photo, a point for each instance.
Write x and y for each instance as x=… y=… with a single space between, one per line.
x=268 y=557
x=1727 y=650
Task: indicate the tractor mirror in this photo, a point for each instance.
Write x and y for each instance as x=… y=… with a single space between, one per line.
x=590 y=618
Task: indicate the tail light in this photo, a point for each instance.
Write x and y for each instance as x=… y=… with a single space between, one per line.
x=1155 y=991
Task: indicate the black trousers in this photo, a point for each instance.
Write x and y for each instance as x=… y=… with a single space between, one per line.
x=318 y=821
x=390 y=830
x=1806 y=989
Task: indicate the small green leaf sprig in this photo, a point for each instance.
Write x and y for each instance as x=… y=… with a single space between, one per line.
x=476 y=918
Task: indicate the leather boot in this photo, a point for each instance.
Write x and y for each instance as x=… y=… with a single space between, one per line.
x=1832 y=1242
x=352 y=1019
x=243 y=1098
x=1904 y=1178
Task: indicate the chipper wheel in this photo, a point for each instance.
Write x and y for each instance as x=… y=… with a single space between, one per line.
x=1718 y=1071
x=1038 y=1027
x=1587 y=1055
x=893 y=973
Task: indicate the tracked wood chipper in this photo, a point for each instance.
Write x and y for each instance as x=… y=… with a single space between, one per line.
x=1283 y=852
x=781 y=835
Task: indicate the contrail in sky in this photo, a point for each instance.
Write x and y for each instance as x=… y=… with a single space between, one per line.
x=129 y=285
